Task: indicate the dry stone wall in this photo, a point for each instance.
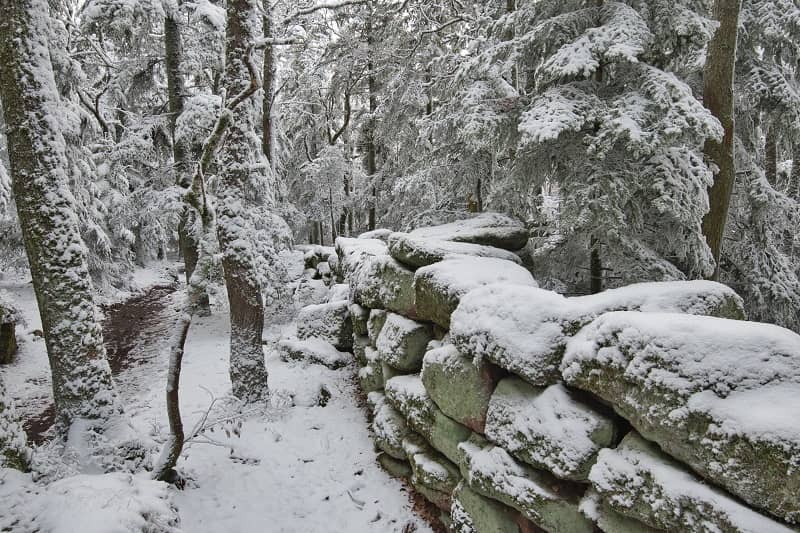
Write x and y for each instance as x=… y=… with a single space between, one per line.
x=653 y=407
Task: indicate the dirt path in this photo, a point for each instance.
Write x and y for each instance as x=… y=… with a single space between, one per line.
x=132 y=330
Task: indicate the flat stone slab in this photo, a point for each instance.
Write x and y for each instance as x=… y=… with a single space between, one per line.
x=720 y=395
x=607 y=519
x=640 y=481
x=434 y=476
x=439 y=287
x=329 y=322
x=489 y=229
x=402 y=342
x=395 y=467
x=547 y=502
x=525 y=330
x=418 y=252
x=472 y=513
x=388 y=426
x=548 y=427
x=460 y=386
x=408 y=395
x=313 y=350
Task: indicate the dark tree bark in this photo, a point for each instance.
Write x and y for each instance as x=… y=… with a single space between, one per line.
x=771 y=156
x=371 y=150
x=269 y=89
x=718 y=97
x=235 y=191
x=82 y=385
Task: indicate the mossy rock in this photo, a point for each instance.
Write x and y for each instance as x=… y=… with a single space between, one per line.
x=360 y=345
x=402 y=342
x=395 y=467
x=419 y=252
x=434 y=476
x=360 y=316
x=460 y=386
x=377 y=317
x=607 y=519
x=388 y=426
x=472 y=513
x=550 y=503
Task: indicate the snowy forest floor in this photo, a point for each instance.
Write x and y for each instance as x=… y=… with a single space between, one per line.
x=303 y=463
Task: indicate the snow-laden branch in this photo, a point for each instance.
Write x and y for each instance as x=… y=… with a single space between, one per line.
x=331 y=4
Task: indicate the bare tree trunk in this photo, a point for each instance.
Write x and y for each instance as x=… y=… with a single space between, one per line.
x=269 y=89
x=235 y=190
x=371 y=149
x=794 y=179
x=771 y=156
x=718 y=97
x=82 y=384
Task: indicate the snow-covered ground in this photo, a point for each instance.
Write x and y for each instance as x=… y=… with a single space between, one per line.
x=296 y=465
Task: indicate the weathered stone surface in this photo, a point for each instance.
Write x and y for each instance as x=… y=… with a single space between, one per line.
x=439 y=287
x=395 y=467
x=607 y=519
x=389 y=372
x=377 y=317
x=548 y=428
x=313 y=350
x=489 y=229
x=316 y=254
x=547 y=502
x=360 y=345
x=472 y=513
x=720 y=395
x=382 y=282
x=388 y=426
x=419 y=252
x=640 y=481
x=354 y=252
x=525 y=329
x=461 y=387
x=370 y=377
x=434 y=476
x=339 y=292
x=360 y=316
x=380 y=234
x=402 y=342
x=408 y=395
x=329 y=322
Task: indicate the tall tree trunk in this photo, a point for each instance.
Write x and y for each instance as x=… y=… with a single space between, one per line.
x=82 y=385
x=718 y=97
x=794 y=179
x=771 y=156
x=595 y=260
x=371 y=149
x=235 y=191
x=269 y=89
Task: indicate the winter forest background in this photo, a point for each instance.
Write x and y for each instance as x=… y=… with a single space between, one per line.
x=637 y=141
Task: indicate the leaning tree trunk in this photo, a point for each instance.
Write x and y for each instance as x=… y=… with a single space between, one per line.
x=718 y=97
x=82 y=385
x=235 y=191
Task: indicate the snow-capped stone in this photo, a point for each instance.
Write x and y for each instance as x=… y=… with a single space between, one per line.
x=370 y=377
x=316 y=254
x=380 y=234
x=419 y=252
x=359 y=316
x=439 y=287
x=433 y=475
x=472 y=513
x=310 y=292
x=329 y=322
x=547 y=502
x=407 y=394
x=382 y=282
x=607 y=519
x=339 y=292
x=547 y=427
x=352 y=252
x=458 y=385
x=489 y=229
x=720 y=395
x=525 y=329
x=313 y=350
x=388 y=426
x=637 y=474
x=402 y=342
x=377 y=317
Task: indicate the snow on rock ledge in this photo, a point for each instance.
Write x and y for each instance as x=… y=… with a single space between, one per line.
x=329 y=322
x=419 y=251
x=525 y=329
x=313 y=350
x=637 y=474
x=402 y=342
x=489 y=229
x=548 y=428
x=439 y=287
x=720 y=395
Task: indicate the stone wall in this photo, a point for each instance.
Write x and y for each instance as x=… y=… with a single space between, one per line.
x=646 y=408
